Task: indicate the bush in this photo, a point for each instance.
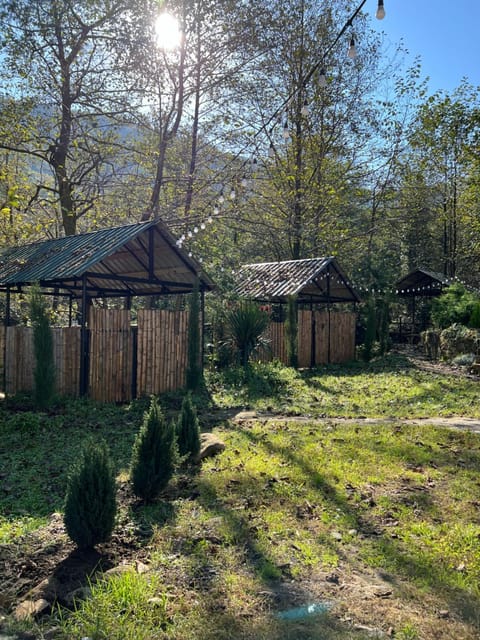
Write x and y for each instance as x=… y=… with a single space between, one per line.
x=457 y=340
x=455 y=306
x=44 y=373
x=188 y=430
x=90 y=503
x=246 y=324
x=153 y=455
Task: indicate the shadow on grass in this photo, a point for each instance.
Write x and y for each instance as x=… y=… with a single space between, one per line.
x=390 y=552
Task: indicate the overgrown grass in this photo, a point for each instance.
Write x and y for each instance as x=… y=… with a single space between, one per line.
x=387 y=387
x=287 y=504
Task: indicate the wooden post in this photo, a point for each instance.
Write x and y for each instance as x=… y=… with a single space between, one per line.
x=328 y=316
x=313 y=338
x=202 y=314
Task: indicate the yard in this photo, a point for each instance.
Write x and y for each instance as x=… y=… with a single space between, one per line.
x=345 y=489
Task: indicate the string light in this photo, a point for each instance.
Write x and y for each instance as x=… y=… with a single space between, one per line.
x=380 y=15
x=352 y=52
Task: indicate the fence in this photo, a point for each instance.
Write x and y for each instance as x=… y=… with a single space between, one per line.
x=322 y=337
x=123 y=360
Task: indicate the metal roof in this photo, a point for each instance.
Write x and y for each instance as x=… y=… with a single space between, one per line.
x=311 y=280
x=136 y=259
x=422 y=282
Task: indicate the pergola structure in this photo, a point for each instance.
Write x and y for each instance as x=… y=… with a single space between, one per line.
x=311 y=281
x=129 y=261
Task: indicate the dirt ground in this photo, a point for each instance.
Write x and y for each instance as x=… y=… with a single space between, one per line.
x=44 y=566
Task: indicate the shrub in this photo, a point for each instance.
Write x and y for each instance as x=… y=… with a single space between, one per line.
x=455 y=306
x=153 y=455
x=458 y=339
x=194 y=376
x=44 y=373
x=247 y=324
x=90 y=503
x=291 y=329
x=188 y=430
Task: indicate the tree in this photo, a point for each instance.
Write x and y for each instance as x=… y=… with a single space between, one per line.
x=153 y=454
x=246 y=324
x=59 y=55
x=188 y=430
x=44 y=372
x=194 y=365
x=90 y=502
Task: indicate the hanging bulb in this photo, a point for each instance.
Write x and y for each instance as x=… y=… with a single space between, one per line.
x=286 y=132
x=216 y=210
x=305 y=110
x=380 y=10
x=202 y=226
x=232 y=194
x=271 y=150
x=182 y=237
x=210 y=219
x=195 y=229
x=189 y=234
x=189 y=254
x=221 y=197
x=352 y=52
x=322 y=78
x=244 y=181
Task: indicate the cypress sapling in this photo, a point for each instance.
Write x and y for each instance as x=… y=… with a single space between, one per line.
x=153 y=454
x=188 y=429
x=90 y=502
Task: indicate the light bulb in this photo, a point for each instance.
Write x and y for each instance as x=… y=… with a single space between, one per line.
x=216 y=210
x=322 y=78
x=221 y=197
x=189 y=234
x=232 y=194
x=244 y=181
x=271 y=150
x=380 y=10
x=352 y=52
x=305 y=111
x=202 y=226
x=286 y=133
x=210 y=219
x=195 y=229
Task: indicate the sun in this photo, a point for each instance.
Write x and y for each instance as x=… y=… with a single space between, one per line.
x=167 y=31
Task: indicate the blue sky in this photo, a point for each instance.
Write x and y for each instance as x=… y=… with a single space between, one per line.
x=444 y=33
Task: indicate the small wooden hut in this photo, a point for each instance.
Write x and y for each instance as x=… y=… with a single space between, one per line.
x=103 y=354
x=325 y=335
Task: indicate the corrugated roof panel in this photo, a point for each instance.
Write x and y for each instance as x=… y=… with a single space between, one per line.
x=119 y=252
x=278 y=280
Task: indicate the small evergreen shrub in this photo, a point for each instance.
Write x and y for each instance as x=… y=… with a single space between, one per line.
x=90 y=502
x=291 y=331
x=44 y=372
x=194 y=376
x=188 y=430
x=153 y=454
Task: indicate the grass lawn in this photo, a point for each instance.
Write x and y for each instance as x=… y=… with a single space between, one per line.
x=379 y=524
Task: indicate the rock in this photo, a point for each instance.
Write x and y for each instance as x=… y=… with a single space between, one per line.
x=119 y=570
x=210 y=445
x=444 y=613
x=141 y=567
x=82 y=593
x=52 y=633
x=30 y=608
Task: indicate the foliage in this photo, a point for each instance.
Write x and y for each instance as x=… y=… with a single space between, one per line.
x=457 y=339
x=44 y=372
x=291 y=332
x=246 y=324
x=90 y=502
x=194 y=376
x=153 y=454
x=455 y=306
x=370 y=330
x=188 y=430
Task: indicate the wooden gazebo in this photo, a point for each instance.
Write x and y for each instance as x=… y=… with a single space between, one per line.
x=317 y=284
x=130 y=261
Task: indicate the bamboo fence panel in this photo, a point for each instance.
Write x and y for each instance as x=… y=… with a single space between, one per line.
x=340 y=326
x=304 y=339
x=162 y=350
x=66 y=354
x=111 y=355
x=19 y=359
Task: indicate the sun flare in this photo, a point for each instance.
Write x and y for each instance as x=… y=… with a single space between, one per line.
x=167 y=31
